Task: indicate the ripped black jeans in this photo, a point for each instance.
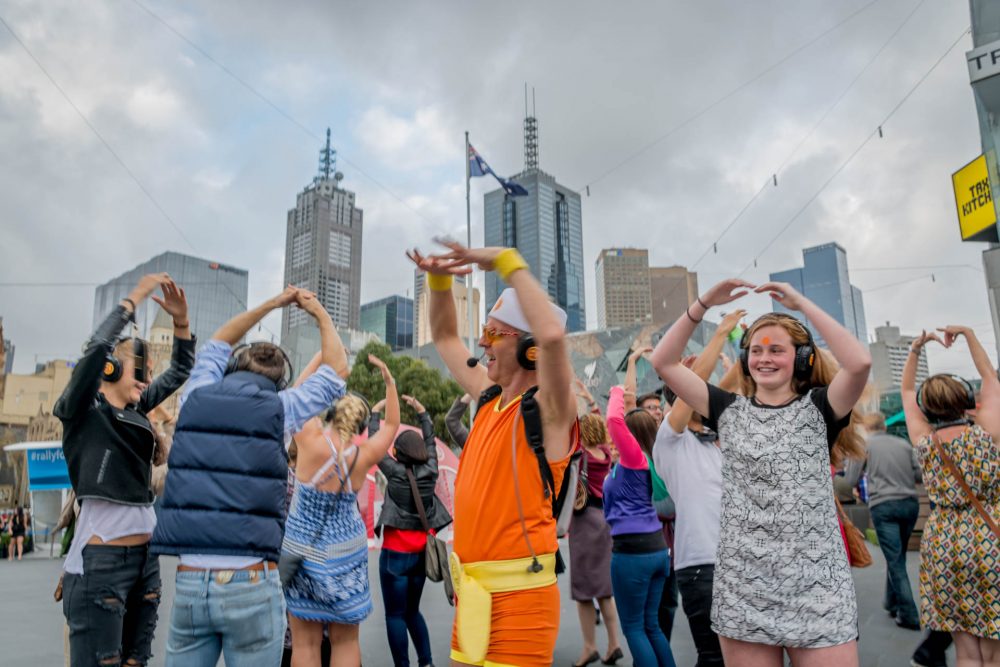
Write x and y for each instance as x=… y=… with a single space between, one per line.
x=111 y=608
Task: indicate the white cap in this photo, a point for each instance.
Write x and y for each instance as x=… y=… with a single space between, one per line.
x=507 y=309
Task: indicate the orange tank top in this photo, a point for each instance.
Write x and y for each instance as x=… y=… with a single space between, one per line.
x=487 y=525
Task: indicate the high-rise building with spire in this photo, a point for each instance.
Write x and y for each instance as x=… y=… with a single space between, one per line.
x=546 y=227
x=322 y=254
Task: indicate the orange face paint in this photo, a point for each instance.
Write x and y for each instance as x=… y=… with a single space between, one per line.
x=766 y=341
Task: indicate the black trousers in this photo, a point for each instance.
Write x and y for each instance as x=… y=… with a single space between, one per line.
x=668 y=603
x=111 y=608
x=695 y=584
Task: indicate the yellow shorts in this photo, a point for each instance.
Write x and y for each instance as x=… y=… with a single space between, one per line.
x=523 y=629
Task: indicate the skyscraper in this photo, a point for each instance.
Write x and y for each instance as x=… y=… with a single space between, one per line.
x=421 y=311
x=215 y=292
x=546 y=226
x=623 y=296
x=323 y=252
x=672 y=289
x=391 y=319
x=825 y=281
x=6 y=352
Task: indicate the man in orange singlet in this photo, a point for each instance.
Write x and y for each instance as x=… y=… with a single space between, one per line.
x=503 y=564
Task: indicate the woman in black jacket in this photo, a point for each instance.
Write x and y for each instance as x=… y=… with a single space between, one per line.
x=401 y=562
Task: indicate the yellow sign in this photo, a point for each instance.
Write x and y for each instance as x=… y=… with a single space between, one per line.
x=977 y=217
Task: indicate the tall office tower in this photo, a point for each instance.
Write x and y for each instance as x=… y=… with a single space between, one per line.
x=215 y=292
x=323 y=254
x=825 y=281
x=623 y=296
x=889 y=353
x=391 y=319
x=546 y=226
x=672 y=290
x=421 y=311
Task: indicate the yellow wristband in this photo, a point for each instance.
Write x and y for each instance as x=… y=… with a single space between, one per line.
x=507 y=262
x=439 y=283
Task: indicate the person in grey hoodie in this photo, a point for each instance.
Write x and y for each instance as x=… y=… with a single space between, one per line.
x=893 y=472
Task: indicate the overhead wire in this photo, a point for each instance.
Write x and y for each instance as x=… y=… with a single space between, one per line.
x=107 y=145
x=275 y=107
x=843 y=165
x=713 y=246
x=690 y=119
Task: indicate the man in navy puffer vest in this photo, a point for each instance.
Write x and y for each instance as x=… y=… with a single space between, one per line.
x=223 y=506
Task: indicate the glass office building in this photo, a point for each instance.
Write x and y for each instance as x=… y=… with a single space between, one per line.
x=547 y=229
x=215 y=292
x=391 y=319
x=825 y=281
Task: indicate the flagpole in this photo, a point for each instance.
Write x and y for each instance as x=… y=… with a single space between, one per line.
x=468 y=279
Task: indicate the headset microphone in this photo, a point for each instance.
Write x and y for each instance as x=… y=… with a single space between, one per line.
x=472 y=362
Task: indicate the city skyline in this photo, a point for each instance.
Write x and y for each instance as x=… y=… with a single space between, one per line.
x=221 y=164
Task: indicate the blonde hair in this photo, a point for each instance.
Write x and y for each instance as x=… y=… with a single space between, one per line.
x=593 y=432
x=347 y=415
x=850 y=443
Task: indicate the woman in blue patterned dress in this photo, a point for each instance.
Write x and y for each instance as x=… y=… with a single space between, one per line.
x=782 y=579
x=325 y=528
x=960 y=548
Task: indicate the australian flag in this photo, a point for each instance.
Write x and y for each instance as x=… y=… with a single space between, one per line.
x=478 y=167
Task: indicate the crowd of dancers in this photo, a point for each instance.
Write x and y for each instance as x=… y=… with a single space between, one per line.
x=720 y=495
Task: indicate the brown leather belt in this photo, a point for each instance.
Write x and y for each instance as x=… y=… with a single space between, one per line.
x=255 y=567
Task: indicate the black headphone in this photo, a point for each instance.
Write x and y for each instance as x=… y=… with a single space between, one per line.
x=527 y=351
x=331 y=414
x=113 y=369
x=970 y=397
x=237 y=362
x=805 y=353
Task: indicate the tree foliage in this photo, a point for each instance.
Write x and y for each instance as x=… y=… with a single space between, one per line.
x=413 y=377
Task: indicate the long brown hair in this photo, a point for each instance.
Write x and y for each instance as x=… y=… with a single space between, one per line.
x=643 y=427
x=850 y=443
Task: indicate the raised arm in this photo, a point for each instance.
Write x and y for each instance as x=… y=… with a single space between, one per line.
x=988 y=414
x=917 y=425
x=331 y=349
x=852 y=355
x=444 y=322
x=376 y=446
x=681 y=412
x=235 y=329
x=666 y=356
x=553 y=367
x=85 y=381
x=588 y=398
x=174 y=303
x=630 y=375
x=628 y=447
x=453 y=420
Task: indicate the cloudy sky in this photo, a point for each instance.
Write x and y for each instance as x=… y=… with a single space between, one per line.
x=398 y=83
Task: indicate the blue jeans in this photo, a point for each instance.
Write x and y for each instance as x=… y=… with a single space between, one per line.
x=894 y=521
x=638 y=580
x=243 y=618
x=402 y=576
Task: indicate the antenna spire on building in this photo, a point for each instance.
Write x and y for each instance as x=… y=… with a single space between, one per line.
x=530 y=133
x=327 y=160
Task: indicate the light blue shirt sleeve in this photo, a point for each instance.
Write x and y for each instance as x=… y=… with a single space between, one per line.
x=209 y=366
x=310 y=398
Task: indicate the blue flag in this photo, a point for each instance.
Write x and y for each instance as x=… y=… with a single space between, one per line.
x=478 y=167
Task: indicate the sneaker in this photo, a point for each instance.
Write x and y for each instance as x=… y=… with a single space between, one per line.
x=907 y=624
x=920 y=663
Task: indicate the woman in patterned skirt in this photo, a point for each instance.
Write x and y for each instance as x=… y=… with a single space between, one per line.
x=960 y=550
x=325 y=528
x=782 y=580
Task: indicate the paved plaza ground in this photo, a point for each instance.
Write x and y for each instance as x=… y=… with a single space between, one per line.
x=31 y=623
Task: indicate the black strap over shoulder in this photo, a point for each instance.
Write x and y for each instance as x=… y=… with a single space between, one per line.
x=532 y=418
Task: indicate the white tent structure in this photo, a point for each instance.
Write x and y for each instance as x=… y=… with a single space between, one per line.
x=48 y=484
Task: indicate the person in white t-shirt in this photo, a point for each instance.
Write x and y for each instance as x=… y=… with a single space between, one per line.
x=688 y=458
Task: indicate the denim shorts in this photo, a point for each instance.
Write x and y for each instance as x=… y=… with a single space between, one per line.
x=111 y=608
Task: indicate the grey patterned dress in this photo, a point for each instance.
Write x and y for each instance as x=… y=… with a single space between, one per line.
x=781 y=575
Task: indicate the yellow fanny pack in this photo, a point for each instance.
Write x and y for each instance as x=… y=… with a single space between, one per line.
x=476 y=582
